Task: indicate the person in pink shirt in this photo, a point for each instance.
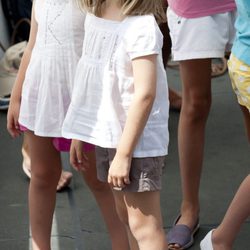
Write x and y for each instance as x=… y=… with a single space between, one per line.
x=199 y=30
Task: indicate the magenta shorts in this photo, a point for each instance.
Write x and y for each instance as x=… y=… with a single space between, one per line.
x=62 y=144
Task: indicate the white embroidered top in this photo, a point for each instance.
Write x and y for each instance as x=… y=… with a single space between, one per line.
x=50 y=75
x=104 y=88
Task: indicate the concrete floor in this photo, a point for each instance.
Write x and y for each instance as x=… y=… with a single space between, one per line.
x=77 y=222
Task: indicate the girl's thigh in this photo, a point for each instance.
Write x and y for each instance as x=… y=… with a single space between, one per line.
x=44 y=156
x=142 y=207
x=196 y=84
x=203 y=37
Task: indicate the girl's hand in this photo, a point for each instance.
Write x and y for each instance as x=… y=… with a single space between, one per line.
x=12 y=119
x=119 y=170
x=78 y=159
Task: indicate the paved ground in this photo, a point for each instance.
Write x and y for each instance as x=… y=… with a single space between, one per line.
x=78 y=224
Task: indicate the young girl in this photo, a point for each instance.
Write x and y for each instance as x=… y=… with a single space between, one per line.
x=39 y=101
x=224 y=235
x=120 y=104
x=200 y=30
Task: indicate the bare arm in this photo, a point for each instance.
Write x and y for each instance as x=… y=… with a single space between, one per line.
x=13 y=113
x=145 y=88
x=17 y=88
x=144 y=69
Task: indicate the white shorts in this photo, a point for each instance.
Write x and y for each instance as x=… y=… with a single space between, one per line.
x=203 y=37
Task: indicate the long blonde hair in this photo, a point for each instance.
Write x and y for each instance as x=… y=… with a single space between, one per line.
x=130 y=8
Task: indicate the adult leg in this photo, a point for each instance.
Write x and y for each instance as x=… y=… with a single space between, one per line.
x=239 y=210
x=143 y=218
x=196 y=87
x=45 y=174
x=105 y=200
x=246 y=115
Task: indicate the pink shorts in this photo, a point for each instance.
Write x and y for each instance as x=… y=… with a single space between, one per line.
x=62 y=144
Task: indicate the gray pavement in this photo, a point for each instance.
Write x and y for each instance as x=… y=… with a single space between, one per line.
x=77 y=221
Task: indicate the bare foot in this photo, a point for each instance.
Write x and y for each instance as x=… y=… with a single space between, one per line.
x=64 y=181
x=219 y=69
x=175 y=100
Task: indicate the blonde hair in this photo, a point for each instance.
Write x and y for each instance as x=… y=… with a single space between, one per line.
x=130 y=8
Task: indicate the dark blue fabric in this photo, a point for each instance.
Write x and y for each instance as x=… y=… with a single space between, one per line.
x=15 y=10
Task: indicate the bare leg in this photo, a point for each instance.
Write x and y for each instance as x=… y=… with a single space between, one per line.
x=246 y=115
x=191 y=135
x=239 y=210
x=143 y=219
x=123 y=215
x=104 y=198
x=65 y=177
x=45 y=173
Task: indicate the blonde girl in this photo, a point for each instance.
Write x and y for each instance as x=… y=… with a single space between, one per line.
x=38 y=105
x=120 y=104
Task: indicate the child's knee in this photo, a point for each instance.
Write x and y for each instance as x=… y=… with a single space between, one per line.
x=45 y=179
x=140 y=230
x=145 y=231
x=198 y=109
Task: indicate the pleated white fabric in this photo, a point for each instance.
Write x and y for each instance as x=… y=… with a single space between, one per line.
x=104 y=85
x=49 y=78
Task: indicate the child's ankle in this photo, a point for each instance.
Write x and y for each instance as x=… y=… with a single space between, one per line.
x=219 y=242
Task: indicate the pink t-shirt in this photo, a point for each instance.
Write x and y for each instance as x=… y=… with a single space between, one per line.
x=200 y=8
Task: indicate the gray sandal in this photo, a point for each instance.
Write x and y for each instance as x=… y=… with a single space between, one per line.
x=181 y=235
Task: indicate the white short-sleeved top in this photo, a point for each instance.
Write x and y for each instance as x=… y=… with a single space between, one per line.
x=104 y=88
x=49 y=78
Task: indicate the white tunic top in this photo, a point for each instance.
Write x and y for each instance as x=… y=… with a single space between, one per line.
x=50 y=75
x=104 y=88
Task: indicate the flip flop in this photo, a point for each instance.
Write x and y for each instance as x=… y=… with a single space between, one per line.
x=182 y=235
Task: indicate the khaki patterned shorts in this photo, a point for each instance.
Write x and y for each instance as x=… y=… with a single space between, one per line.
x=145 y=173
x=240 y=76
